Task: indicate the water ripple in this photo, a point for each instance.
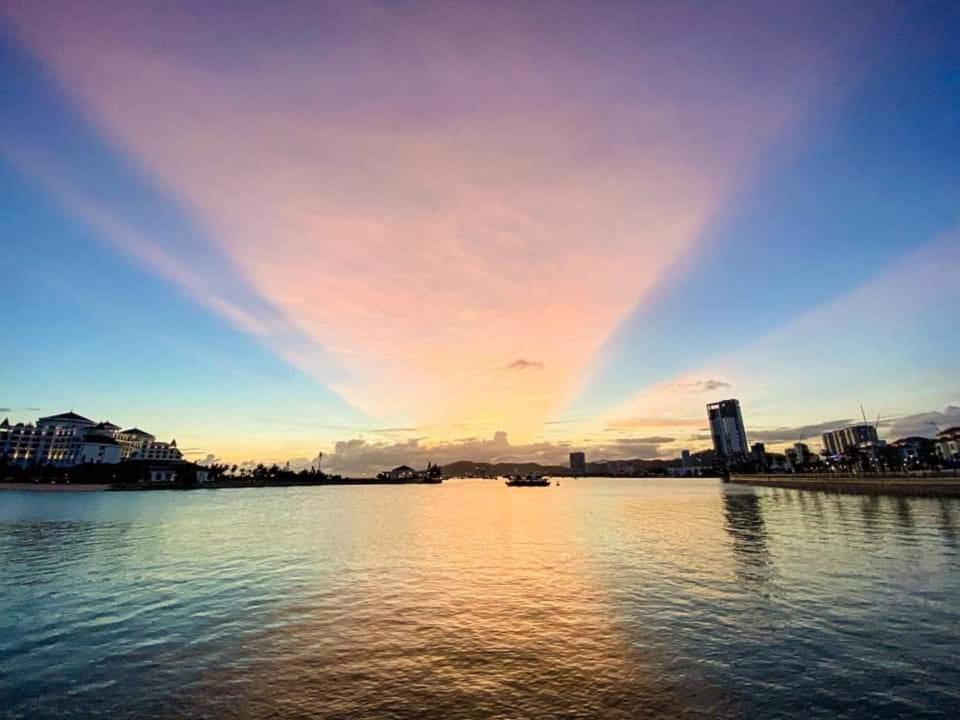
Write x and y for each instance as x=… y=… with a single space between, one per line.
x=600 y=598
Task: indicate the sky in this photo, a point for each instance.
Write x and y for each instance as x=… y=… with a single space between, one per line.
x=412 y=231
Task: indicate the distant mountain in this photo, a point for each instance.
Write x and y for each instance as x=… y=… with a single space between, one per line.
x=485 y=469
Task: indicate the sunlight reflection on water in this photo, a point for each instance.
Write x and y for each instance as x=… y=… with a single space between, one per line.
x=612 y=598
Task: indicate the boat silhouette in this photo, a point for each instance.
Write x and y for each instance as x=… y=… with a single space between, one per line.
x=528 y=480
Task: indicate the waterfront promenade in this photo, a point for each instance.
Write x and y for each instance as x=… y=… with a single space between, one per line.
x=934 y=483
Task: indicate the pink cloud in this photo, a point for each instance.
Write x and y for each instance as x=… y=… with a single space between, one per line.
x=428 y=198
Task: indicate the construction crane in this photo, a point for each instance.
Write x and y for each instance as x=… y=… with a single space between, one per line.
x=863 y=414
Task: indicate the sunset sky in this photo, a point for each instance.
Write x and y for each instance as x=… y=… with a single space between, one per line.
x=404 y=231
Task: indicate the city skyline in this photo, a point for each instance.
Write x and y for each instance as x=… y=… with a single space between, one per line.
x=498 y=232
x=37 y=443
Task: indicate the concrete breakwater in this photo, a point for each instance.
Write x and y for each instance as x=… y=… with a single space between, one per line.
x=939 y=484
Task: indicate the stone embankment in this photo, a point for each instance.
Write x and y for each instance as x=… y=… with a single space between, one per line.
x=938 y=484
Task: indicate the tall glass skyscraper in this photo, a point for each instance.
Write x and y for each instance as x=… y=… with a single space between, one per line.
x=726 y=427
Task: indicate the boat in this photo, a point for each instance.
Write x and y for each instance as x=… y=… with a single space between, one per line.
x=528 y=480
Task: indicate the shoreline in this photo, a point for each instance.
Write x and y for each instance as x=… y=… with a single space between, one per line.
x=242 y=485
x=902 y=484
x=54 y=487
x=216 y=485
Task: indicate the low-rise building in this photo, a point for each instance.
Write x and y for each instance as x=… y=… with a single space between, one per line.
x=777 y=462
x=798 y=455
x=162 y=474
x=862 y=435
x=914 y=449
x=69 y=439
x=948 y=444
x=138 y=444
x=99 y=449
x=53 y=440
x=403 y=472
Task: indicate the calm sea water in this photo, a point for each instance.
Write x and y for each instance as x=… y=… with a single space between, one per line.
x=598 y=598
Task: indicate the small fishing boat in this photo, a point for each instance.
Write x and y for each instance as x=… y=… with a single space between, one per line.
x=528 y=480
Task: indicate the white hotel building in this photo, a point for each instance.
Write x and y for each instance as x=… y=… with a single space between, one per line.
x=70 y=439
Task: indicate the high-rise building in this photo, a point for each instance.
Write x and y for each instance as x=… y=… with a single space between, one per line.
x=799 y=454
x=861 y=435
x=578 y=463
x=726 y=428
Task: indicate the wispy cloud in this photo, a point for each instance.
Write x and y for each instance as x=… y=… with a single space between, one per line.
x=796 y=434
x=650 y=440
x=484 y=230
x=700 y=386
x=522 y=364
x=923 y=424
x=634 y=423
x=204 y=283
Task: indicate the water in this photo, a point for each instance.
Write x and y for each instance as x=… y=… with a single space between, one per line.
x=598 y=598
